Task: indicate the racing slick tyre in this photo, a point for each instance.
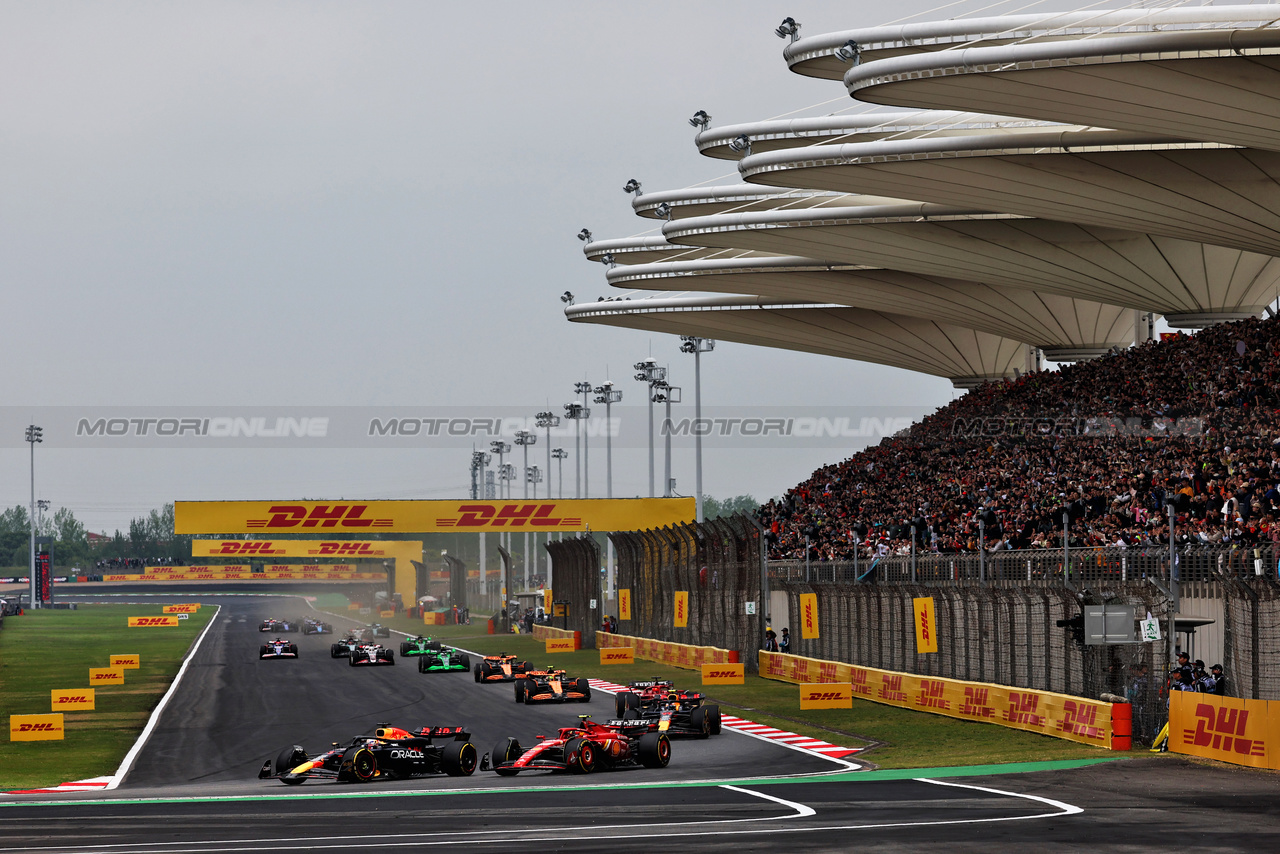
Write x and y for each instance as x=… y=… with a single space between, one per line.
x=655 y=750
x=698 y=722
x=358 y=765
x=355 y=658
x=293 y=648
x=521 y=686
x=713 y=719
x=507 y=750
x=584 y=688
x=289 y=758
x=460 y=759
x=422 y=664
x=620 y=703
x=390 y=657
x=335 y=650
x=404 y=648
x=580 y=756
x=433 y=646
x=523 y=667
x=477 y=670
x=458 y=660
x=262 y=651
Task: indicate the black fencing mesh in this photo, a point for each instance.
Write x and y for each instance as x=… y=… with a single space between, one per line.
x=575 y=567
x=717 y=563
x=457 y=581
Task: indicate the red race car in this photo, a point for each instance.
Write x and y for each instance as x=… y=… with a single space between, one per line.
x=666 y=709
x=551 y=686
x=583 y=749
x=501 y=668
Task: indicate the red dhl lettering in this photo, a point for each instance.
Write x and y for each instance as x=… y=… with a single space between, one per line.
x=321 y=515
x=36 y=728
x=346 y=549
x=824 y=695
x=79 y=699
x=828 y=672
x=891 y=689
x=1022 y=709
x=931 y=695
x=495 y=516
x=721 y=674
x=1080 y=719
x=924 y=625
x=247 y=547
x=975 y=703
x=1224 y=730
x=105 y=676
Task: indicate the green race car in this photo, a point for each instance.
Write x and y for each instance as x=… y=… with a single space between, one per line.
x=433 y=656
x=418 y=646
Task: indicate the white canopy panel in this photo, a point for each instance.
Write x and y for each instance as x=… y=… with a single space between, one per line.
x=1192 y=284
x=967 y=357
x=707 y=201
x=1067 y=329
x=648 y=249
x=1120 y=179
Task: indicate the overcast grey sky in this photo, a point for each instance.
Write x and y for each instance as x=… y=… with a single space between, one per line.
x=282 y=204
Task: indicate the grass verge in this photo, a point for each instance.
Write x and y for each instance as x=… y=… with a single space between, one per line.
x=54 y=649
x=893 y=737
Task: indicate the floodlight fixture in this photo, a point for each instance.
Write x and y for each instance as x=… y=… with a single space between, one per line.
x=547 y=419
x=850 y=52
x=663 y=210
x=700 y=119
x=741 y=144
x=585 y=235
x=632 y=186
x=608 y=260
x=788 y=27
x=567 y=297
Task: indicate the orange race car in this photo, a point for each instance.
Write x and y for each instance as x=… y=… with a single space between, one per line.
x=551 y=686
x=501 y=668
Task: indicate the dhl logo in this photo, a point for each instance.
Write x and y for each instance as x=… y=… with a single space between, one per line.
x=891 y=689
x=932 y=694
x=285 y=516
x=829 y=671
x=1080 y=719
x=975 y=703
x=36 y=728
x=106 y=677
x=180 y=609
x=1022 y=709
x=46 y=727
x=1223 y=729
x=71 y=699
x=135 y=622
x=858 y=679
x=823 y=695
x=721 y=674
x=616 y=656
x=248 y=547
x=508 y=515
x=925 y=631
x=810 y=619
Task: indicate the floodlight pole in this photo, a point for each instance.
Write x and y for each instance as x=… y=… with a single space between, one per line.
x=697 y=346
x=34 y=435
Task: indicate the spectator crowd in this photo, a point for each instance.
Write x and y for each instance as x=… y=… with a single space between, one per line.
x=1188 y=422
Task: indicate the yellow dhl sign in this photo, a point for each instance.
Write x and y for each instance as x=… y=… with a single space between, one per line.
x=36 y=727
x=106 y=676
x=826 y=695
x=618 y=655
x=138 y=622
x=723 y=674
x=126 y=662
x=559 y=645
x=1228 y=729
x=180 y=609
x=77 y=699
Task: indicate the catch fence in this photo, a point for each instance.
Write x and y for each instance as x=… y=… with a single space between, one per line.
x=575 y=568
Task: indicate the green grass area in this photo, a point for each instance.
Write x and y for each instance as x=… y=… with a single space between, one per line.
x=895 y=738
x=54 y=649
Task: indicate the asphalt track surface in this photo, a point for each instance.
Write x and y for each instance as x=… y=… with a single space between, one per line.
x=193 y=787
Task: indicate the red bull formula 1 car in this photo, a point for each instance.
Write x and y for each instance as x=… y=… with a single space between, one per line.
x=501 y=668
x=278 y=649
x=371 y=654
x=551 y=686
x=390 y=753
x=663 y=708
x=582 y=749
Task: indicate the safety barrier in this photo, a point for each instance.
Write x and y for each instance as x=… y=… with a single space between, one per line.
x=1043 y=712
x=541 y=632
x=676 y=654
x=1242 y=732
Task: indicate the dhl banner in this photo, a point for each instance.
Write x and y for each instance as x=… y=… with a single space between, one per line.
x=386 y=615
x=547 y=600
x=559 y=644
x=179 y=609
x=356 y=518
x=1242 y=732
x=1043 y=712
x=682 y=609
x=106 y=676
x=35 y=727
x=826 y=695
x=676 y=654
x=76 y=699
x=544 y=632
x=126 y=662
x=926 y=624
x=303 y=548
x=808 y=616
x=723 y=674
x=624 y=603
x=136 y=622
x=173 y=571
x=617 y=655
x=310 y=567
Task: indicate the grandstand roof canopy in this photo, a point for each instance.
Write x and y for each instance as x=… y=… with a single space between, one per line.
x=967 y=357
x=1192 y=284
x=649 y=249
x=779 y=134
x=706 y=201
x=1121 y=179
x=1066 y=329
x=1201 y=73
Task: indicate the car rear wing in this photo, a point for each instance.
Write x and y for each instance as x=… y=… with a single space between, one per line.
x=455 y=732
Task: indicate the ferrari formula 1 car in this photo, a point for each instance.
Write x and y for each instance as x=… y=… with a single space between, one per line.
x=344 y=647
x=551 y=686
x=371 y=654
x=500 y=668
x=316 y=627
x=271 y=624
x=278 y=649
x=582 y=749
x=390 y=753
x=664 y=709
